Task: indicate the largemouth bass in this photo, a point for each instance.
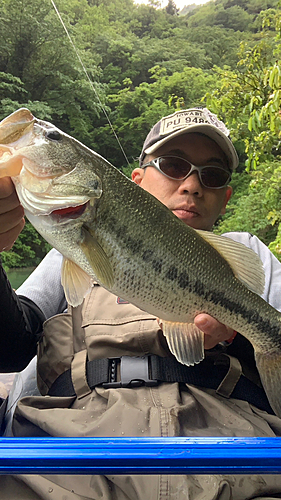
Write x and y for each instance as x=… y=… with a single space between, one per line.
x=112 y=231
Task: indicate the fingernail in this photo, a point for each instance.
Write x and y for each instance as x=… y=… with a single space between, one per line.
x=204 y=323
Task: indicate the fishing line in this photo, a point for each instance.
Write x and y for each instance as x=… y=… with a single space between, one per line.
x=90 y=81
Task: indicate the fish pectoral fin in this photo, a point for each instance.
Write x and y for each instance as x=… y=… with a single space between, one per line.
x=269 y=367
x=185 y=341
x=76 y=283
x=244 y=262
x=97 y=258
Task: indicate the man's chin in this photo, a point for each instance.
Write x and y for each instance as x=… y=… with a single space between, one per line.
x=192 y=219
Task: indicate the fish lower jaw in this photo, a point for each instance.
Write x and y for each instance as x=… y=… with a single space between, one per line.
x=44 y=204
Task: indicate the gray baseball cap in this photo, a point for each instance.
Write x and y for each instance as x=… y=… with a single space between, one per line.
x=186 y=121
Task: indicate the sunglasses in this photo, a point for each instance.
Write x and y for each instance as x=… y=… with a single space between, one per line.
x=179 y=169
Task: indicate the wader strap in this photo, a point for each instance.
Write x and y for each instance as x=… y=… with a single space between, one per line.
x=229 y=382
x=78 y=374
x=152 y=370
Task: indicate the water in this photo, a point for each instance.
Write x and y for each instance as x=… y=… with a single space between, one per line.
x=18 y=276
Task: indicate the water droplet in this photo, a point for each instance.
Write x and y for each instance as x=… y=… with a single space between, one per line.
x=50 y=490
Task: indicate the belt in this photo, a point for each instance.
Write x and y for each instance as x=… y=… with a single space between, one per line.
x=152 y=370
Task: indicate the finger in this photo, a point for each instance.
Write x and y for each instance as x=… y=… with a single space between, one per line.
x=8 y=196
x=11 y=219
x=8 y=238
x=6 y=187
x=215 y=332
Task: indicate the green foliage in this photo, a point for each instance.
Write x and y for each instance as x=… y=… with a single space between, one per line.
x=256 y=204
x=28 y=250
x=172 y=8
x=40 y=66
x=249 y=100
x=143 y=62
x=239 y=15
x=136 y=108
x=250 y=97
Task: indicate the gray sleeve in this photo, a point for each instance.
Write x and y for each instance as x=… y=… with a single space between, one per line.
x=44 y=287
x=271 y=265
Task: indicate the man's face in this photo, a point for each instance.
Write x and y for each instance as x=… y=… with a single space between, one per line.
x=196 y=205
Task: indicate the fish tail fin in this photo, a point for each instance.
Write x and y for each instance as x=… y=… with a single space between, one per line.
x=269 y=367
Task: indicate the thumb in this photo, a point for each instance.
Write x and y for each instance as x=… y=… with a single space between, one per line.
x=215 y=332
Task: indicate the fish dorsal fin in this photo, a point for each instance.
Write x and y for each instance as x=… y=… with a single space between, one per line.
x=76 y=283
x=97 y=258
x=244 y=262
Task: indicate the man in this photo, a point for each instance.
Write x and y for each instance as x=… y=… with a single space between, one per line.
x=186 y=162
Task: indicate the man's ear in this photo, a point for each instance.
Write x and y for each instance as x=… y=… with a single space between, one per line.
x=137 y=175
x=227 y=197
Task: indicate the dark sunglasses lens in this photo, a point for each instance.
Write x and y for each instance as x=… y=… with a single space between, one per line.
x=174 y=167
x=214 y=177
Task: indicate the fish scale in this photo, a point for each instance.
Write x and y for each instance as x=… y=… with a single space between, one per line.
x=135 y=247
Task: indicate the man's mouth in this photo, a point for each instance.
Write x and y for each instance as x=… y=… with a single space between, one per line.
x=186 y=213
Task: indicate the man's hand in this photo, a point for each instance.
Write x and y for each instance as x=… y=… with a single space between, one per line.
x=214 y=331
x=11 y=214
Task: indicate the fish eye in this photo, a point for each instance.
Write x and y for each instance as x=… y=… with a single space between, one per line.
x=54 y=135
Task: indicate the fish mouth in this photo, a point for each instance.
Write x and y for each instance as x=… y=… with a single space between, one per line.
x=66 y=213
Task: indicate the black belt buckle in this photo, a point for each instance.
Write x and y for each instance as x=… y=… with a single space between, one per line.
x=134 y=372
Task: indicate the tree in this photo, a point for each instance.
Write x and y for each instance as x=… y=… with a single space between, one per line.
x=249 y=100
x=171 y=8
x=142 y=62
x=28 y=250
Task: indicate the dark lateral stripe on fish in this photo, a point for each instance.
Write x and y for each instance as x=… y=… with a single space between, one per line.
x=120 y=230
x=253 y=316
x=172 y=273
x=197 y=287
x=147 y=255
x=220 y=299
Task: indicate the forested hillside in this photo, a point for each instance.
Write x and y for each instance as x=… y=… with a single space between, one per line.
x=144 y=62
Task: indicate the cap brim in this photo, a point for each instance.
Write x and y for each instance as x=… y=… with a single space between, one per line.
x=210 y=131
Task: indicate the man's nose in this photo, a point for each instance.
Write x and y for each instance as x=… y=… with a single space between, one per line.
x=191 y=185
